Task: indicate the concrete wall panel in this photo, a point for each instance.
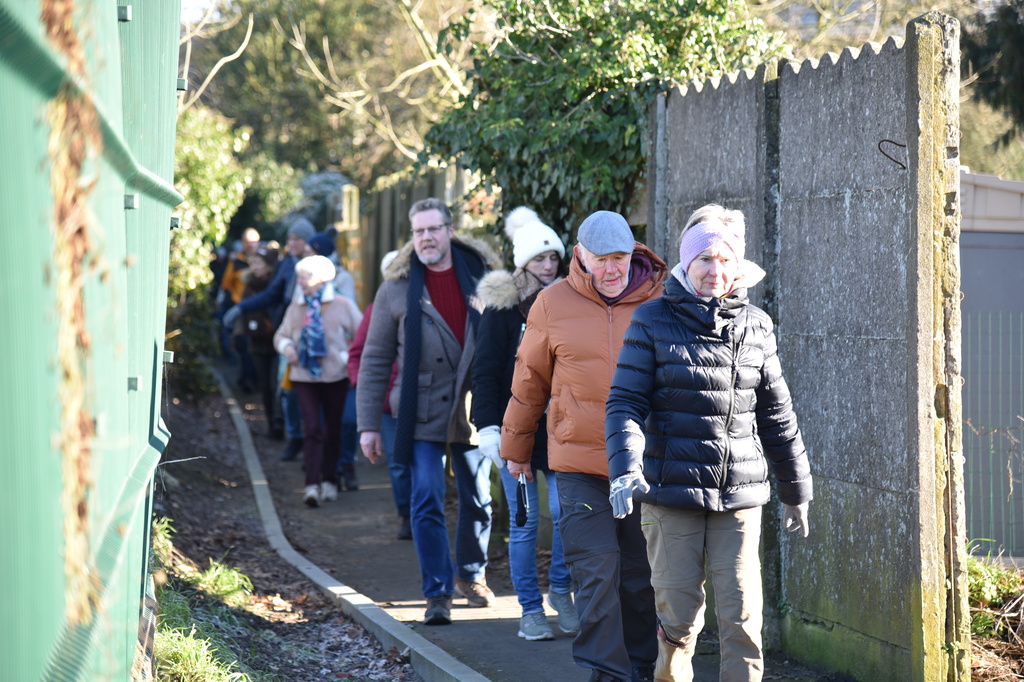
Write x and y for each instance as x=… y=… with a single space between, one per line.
x=861 y=442
x=715 y=139
x=833 y=118
x=843 y=262
x=864 y=566
x=843 y=170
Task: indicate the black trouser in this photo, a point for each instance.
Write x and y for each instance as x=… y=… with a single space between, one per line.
x=607 y=558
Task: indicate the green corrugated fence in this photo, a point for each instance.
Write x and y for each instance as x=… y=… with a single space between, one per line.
x=87 y=139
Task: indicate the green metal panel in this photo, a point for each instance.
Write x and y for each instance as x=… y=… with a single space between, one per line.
x=30 y=525
x=81 y=536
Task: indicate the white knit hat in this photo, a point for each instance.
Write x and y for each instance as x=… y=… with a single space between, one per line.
x=530 y=237
x=387 y=260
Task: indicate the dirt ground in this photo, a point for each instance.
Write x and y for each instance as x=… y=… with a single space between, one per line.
x=294 y=633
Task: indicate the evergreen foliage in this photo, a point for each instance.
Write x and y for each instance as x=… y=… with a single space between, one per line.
x=993 y=52
x=558 y=107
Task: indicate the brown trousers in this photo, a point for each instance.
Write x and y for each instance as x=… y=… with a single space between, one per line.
x=677 y=542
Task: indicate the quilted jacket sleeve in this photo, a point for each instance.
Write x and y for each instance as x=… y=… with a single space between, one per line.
x=778 y=430
x=531 y=387
x=629 y=401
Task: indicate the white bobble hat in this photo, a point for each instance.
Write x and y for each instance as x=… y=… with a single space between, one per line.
x=530 y=237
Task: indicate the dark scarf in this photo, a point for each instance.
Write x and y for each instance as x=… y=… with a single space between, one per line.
x=469 y=268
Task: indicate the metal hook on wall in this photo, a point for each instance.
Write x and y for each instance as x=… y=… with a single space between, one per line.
x=886 y=154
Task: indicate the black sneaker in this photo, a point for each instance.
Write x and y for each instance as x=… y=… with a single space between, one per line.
x=349 y=477
x=293 y=450
x=439 y=610
x=404 y=529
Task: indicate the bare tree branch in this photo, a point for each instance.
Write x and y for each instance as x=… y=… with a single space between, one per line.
x=443 y=70
x=356 y=96
x=213 y=72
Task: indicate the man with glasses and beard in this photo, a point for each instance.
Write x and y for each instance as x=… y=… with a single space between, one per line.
x=424 y=316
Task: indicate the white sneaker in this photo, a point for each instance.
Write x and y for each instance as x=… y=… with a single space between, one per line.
x=312 y=496
x=328 y=491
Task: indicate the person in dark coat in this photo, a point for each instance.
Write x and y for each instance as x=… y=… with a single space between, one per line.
x=259 y=330
x=275 y=299
x=507 y=297
x=697 y=404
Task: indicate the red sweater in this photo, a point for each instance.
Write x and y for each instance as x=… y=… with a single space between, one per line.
x=446 y=296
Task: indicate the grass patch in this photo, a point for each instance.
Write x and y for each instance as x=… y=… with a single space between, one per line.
x=995 y=596
x=196 y=618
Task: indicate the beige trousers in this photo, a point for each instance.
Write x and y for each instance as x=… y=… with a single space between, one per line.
x=677 y=542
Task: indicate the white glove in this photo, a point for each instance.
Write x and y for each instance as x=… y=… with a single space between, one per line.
x=231 y=316
x=795 y=518
x=621 y=493
x=490 y=444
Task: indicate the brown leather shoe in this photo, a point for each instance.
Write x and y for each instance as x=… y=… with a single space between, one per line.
x=476 y=593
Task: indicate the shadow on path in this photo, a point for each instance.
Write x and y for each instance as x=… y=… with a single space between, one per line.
x=349 y=548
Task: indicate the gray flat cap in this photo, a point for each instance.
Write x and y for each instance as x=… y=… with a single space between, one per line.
x=605 y=232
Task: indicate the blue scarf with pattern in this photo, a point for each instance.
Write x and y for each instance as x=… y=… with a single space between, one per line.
x=312 y=347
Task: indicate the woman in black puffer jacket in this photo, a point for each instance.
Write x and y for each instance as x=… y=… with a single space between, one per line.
x=697 y=411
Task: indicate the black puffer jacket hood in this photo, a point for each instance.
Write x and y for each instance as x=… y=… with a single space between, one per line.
x=698 y=401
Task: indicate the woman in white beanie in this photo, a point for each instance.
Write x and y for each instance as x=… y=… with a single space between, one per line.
x=537 y=253
x=314 y=338
x=697 y=414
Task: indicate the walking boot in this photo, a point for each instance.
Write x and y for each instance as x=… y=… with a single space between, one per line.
x=404 y=528
x=675 y=658
x=293 y=449
x=349 y=477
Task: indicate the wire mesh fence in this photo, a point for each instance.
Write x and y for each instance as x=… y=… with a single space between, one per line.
x=993 y=408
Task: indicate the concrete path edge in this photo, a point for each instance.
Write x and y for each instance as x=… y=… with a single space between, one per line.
x=430 y=661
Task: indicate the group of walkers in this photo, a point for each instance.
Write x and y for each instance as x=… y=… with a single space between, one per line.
x=621 y=381
x=291 y=318
x=651 y=399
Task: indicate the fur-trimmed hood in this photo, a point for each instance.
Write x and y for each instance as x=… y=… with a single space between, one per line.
x=498 y=290
x=400 y=266
x=503 y=290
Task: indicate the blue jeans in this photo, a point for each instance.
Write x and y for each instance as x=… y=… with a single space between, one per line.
x=429 y=527
x=522 y=544
x=401 y=475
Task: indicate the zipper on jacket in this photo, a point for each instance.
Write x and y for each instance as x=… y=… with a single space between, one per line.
x=728 y=417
